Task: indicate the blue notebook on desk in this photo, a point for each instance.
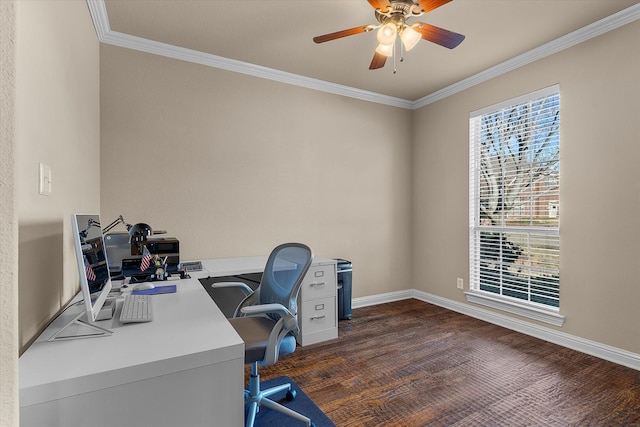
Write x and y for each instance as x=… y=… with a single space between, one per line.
x=168 y=289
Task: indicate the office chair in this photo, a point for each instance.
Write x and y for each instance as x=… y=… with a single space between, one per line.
x=266 y=320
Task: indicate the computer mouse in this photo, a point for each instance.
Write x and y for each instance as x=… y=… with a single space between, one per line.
x=143 y=286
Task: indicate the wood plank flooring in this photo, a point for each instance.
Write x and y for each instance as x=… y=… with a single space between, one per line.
x=410 y=363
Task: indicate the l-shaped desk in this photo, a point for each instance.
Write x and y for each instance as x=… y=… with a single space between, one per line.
x=186 y=367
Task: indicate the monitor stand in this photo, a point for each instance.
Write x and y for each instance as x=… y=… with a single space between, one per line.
x=79 y=327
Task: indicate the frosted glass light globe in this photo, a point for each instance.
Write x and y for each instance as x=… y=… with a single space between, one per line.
x=410 y=38
x=387 y=33
x=385 y=49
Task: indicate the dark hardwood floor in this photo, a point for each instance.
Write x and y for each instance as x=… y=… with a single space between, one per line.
x=410 y=363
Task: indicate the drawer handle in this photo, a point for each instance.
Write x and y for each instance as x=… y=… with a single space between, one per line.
x=318 y=317
x=318 y=284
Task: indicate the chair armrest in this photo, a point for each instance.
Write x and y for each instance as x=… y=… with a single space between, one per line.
x=280 y=309
x=240 y=285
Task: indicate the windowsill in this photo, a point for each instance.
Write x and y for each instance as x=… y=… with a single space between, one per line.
x=546 y=316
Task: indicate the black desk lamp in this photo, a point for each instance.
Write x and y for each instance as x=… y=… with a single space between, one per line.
x=118 y=220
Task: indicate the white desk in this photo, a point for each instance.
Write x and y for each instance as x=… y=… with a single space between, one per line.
x=231 y=266
x=183 y=368
x=242 y=265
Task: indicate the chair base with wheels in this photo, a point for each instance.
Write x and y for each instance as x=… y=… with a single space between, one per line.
x=257 y=397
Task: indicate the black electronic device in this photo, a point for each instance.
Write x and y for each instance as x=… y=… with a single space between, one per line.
x=168 y=247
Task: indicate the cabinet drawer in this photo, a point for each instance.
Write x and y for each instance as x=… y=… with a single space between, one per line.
x=320 y=281
x=317 y=315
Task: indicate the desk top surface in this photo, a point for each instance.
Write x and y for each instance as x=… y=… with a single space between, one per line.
x=188 y=331
x=241 y=265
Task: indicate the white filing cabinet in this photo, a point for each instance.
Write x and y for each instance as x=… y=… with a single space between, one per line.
x=317 y=304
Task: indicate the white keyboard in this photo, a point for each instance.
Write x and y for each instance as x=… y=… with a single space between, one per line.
x=136 y=308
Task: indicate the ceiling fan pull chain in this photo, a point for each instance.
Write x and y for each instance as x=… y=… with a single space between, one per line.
x=395 y=70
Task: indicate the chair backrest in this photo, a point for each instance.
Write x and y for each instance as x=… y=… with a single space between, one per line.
x=283 y=275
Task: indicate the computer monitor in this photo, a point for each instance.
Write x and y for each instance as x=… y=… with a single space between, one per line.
x=95 y=282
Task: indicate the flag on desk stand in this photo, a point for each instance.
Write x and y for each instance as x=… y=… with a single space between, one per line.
x=146 y=259
x=91 y=275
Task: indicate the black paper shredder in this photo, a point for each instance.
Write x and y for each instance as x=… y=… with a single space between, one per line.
x=344 y=275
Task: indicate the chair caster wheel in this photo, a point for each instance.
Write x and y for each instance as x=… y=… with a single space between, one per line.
x=291 y=394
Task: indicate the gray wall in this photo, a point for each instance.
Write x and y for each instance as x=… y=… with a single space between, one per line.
x=9 y=335
x=233 y=165
x=600 y=184
x=57 y=117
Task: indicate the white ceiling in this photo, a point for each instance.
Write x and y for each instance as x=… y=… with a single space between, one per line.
x=277 y=34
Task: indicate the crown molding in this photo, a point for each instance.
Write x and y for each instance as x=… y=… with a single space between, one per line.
x=590 y=31
x=170 y=51
x=100 y=19
x=98 y=11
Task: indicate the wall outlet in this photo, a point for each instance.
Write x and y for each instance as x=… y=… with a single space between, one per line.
x=460 y=283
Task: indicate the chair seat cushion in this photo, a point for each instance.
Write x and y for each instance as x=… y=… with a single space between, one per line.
x=255 y=331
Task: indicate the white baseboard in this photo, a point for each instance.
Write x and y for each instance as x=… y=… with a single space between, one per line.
x=593 y=348
x=382 y=298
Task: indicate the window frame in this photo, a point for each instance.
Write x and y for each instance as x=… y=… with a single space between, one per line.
x=538 y=311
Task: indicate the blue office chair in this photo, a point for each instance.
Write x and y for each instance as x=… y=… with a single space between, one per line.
x=267 y=322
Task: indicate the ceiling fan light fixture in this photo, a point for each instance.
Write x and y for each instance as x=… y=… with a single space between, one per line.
x=392 y=17
x=410 y=38
x=385 y=49
x=387 y=33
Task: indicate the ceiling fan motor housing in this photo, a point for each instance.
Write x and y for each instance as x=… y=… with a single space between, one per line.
x=399 y=8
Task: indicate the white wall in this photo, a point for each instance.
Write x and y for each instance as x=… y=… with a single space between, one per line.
x=600 y=184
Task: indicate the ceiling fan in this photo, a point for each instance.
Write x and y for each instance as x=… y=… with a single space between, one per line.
x=392 y=16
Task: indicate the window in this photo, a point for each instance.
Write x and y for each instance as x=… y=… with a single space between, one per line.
x=515 y=209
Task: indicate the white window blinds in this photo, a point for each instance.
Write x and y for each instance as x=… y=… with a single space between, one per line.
x=515 y=199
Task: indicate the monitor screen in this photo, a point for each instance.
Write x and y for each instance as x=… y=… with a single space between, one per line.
x=93 y=267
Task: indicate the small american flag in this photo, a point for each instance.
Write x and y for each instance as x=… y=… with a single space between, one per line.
x=146 y=259
x=91 y=275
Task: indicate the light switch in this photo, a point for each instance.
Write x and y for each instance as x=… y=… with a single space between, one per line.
x=44 y=179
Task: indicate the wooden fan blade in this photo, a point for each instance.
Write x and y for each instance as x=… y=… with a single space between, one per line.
x=438 y=35
x=343 y=33
x=378 y=61
x=429 y=5
x=383 y=5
